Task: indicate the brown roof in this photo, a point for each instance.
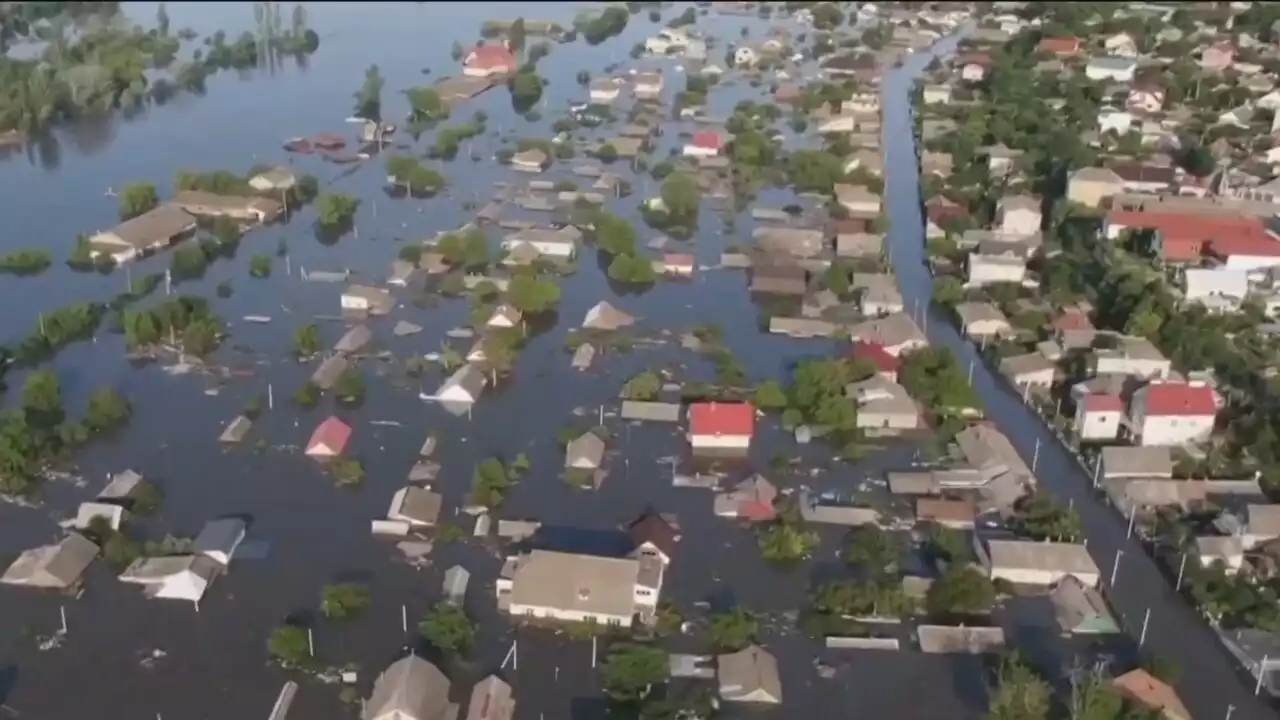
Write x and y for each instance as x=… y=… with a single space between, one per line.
x=1143 y=688
x=943 y=510
x=654 y=529
x=155 y=226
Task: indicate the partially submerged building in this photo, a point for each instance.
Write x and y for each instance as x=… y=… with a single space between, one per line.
x=410 y=689
x=153 y=230
x=579 y=588
x=329 y=439
x=55 y=567
x=749 y=676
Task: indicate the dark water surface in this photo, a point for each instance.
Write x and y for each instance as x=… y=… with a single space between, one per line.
x=1208 y=682
x=215 y=661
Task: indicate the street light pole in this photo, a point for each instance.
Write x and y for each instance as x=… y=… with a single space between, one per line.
x=1115 y=567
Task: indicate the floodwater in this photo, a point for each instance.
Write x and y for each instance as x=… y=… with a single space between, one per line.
x=214 y=661
x=1208 y=682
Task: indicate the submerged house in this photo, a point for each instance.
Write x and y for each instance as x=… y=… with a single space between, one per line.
x=415 y=507
x=153 y=230
x=749 y=675
x=55 y=567
x=585 y=452
x=1081 y=610
x=410 y=689
x=463 y=386
x=604 y=316
x=180 y=577
x=329 y=439
x=491 y=699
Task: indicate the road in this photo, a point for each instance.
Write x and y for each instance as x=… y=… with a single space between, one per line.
x=1209 y=681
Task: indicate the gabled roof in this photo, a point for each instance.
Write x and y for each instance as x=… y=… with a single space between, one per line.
x=1146 y=690
x=718 y=418
x=655 y=530
x=410 y=689
x=875 y=352
x=749 y=674
x=490 y=57
x=491 y=700
x=332 y=433
x=706 y=139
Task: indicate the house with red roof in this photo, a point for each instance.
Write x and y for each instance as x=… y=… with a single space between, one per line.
x=1172 y=413
x=886 y=363
x=678 y=263
x=704 y=143
x=721 y=425
x=1068 y=45
x=1099 y=416
x=1182 y=236
x=1253 y=250
x=329 y=439
x=489 y=61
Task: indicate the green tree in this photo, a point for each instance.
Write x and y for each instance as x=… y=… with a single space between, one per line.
x=516 y=36
x=469 y=250
x=413 y=176
x=349 y=387
x=814 y=170
x=369 y=97
x=341 y=601
x=1041 y=517
x=306 y=340
x=260 y=266
x=783 y=541
x=448 y=629
x=769 y=395
x=632 y=269
x=947 y=290
x=732 y=630
x=644 y=386
x=489 y=483
x=874 y=550
x=42 y=399
x=946 y=544
x=680 y=195
x=307 y=396
x=526 y=90
x=1019 y=693
x=290 y=645
x=631 y=670
x=961 y=590
x=107 y=410
x=426 y=105
x=335 y=210
x=137 y=198
x=531 y=295
x=188 y=262
x=613 y=234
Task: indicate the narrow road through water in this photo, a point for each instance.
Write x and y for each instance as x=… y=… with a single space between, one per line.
x=1209 y=681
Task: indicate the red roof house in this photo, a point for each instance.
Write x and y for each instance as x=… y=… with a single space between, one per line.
x=489 y=60
x=1173 y=413
x=886 y=363
x=705 y=143
x=1101 y=402
x=1059 y=45
x=721 y=425
x=329 y=439
x=1184 y=236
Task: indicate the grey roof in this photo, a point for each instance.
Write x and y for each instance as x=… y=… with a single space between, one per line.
x=1069 y=558
x=890 y=330
x=1075 y=603
x=583 y=356
x=585 y=451
x=220 y=536
x=974 y=312
x=970 y=640
x=1016 y=365
x=236 y=430
x=604 y=316
x=1119 y=462
x=354 y=340
x=456 y=580
x=52 y=566
x=653 y=411
x=411 y=689
x=749 y=675
x=152 y=227
x=404 y=327
x=122 y=485
x=467 y=377
x=990 y=452
x=586 y=584
x=792 y=241
x=491 y=700
x=418 y=504
x=329 y=370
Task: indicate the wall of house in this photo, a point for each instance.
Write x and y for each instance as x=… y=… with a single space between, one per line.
x=1171 y=429
x=1039 y=378
x=1089 y=193
x=892 y=421
x=1028 y=576
x=720 y=441
x=1137 y=367
x=568 y=615
x=1098 y=425
x=1020 y=222
x=981 y=273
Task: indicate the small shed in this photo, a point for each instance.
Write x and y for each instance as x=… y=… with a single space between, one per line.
x=456 y=579
x=424 y=471
x=236 y=430
x=428 y=447
x=89 y=511
x=122 y=486
x=219 y=539
x=583 y=356
x=644 y=411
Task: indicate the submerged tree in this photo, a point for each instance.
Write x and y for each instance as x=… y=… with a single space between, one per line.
x=369 y=96
x=448 y=629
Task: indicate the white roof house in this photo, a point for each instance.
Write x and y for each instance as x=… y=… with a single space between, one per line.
x=181 y=577
x=220 y=538
x=1025 y=562
x=464 y=385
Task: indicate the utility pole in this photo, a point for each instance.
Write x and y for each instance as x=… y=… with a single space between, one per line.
x=1142 y=638
x=1035 y=457
x=1182 y=566
x=1115 y=567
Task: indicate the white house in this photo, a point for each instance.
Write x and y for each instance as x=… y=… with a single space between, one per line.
x=504 y=316
x=1019 y=215
x=744 y=56
x=1024 y=562
x=992 y=269
x=884 y=404
x=1113 y=120
x=1098 y=416
x=1114 y=69
x=648 y=85
x=548 y=243
x=363 y=298
x=1134 y=356
x=981 y=320
x=463 y=386
x=721 y=425
x=1172 y=413
x=604 y=90
x=1121 y=45
x=1215 y=282
x=937 y=94
x=182 y=577
x=577 y=588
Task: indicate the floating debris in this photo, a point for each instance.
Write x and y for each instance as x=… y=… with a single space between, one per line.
x=405 y=327
x=260 y=319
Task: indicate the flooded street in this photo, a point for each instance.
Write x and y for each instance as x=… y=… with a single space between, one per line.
x=133 y=657
x=1207 y=681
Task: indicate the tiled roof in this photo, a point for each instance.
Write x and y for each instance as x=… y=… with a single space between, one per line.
x=717 y=418
x=1178 y=399
x=706 y=139
x=876 y=353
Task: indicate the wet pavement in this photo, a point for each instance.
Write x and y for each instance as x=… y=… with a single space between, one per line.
x=1208 y=681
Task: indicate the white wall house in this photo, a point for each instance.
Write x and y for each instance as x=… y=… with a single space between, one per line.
x=1114 y=69
x=1098 y=417
x=1206 y=282
x=1172 y=413
x=576 y=588
x=1116 y=121
x=717 y=425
